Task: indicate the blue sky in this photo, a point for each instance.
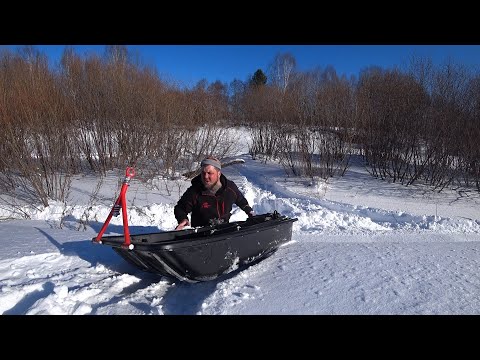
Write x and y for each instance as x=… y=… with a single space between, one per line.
x=190 y=63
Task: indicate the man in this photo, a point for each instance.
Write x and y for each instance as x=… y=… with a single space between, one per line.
x=210 y=197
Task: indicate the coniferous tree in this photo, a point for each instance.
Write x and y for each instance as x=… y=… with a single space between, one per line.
x=258 y=78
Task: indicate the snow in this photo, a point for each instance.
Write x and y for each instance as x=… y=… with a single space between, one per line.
x=360 y=246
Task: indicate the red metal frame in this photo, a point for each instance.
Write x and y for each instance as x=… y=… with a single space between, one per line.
x=120 y=203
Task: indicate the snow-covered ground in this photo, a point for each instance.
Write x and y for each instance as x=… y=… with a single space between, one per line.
x=360 y=246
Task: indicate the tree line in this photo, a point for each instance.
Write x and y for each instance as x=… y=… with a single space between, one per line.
x=90 y=115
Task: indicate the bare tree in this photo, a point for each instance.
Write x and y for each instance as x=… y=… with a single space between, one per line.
x=281 y=70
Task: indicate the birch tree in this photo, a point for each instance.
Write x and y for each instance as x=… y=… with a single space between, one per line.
x=281 y=70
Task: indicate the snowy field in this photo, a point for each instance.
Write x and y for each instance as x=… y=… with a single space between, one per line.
x=360 y=246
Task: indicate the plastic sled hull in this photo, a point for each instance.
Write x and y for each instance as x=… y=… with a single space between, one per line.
x=205 y=253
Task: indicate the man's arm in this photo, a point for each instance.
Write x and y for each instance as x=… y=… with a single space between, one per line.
x=183 y=208
x=182 y=224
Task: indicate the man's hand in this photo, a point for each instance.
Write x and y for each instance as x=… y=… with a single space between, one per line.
x=251 y=213
x=182 y=224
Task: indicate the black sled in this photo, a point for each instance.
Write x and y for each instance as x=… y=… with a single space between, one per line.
x=204 y=253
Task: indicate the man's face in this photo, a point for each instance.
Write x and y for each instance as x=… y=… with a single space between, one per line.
x=210 y=176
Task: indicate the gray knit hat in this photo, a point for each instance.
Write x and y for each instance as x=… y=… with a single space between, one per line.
x=210 y=161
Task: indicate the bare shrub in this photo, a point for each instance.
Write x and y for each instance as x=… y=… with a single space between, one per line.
x=37 y=129
x=392 y=107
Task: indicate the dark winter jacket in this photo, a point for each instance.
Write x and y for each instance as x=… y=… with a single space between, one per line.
x=205 y=206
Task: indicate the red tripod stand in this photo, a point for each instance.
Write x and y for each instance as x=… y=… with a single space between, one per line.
x=120 y=203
